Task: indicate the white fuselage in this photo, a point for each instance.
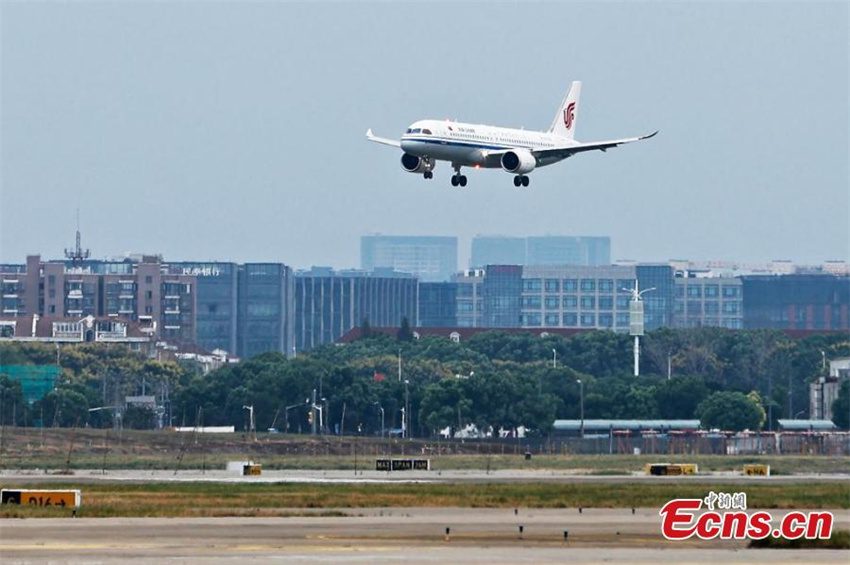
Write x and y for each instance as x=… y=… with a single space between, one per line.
x=469 y=144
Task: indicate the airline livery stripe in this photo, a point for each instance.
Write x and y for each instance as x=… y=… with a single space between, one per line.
x=440 y=141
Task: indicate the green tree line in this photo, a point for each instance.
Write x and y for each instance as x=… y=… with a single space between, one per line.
x=727 y=379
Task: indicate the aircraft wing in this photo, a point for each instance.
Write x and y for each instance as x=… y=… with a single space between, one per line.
x=564 y=152
x=382 y=140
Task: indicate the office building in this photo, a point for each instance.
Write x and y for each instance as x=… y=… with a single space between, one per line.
x=701 y=301
x=497 y=250
x=216 y=302
x=797 y=302
x=542 y=250
x=430 y=259
x=470 y=298
x=328 y=303
x=562 y=296
x=576 y=297
x=265 y=309
x=438 y=305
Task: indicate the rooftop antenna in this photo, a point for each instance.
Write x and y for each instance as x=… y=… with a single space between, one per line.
x=77 y=255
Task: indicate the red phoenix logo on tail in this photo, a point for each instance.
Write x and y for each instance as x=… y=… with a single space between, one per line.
x=569 y=115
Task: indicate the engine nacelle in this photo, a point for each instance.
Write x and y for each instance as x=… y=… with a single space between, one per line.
x=414 y=164
x=518 y=162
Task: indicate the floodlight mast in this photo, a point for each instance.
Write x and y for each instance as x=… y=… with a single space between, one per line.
x=636 y=319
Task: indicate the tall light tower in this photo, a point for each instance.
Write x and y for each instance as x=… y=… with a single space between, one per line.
x=636 y=319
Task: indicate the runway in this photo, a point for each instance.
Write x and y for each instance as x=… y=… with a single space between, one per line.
x=409 y=535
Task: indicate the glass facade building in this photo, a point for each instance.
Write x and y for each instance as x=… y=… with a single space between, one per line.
x=438 y=305
x=265 y=309
x=497 y=250
x=216 y=303
x=568 y=250
x=329 y=303
x=796 y=302
x=430 y=259
x=501 y=289
x=658 y=304
x=542 y=250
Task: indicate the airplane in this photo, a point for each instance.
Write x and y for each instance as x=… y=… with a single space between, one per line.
x=516 y=151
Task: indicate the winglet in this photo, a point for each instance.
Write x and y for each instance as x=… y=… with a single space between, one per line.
x=653 y=134
x=382 y=140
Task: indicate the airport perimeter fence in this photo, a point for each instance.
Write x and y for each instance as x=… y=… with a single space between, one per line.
x=833 y=444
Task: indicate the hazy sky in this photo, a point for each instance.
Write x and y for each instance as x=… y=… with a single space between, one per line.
x=235 y=131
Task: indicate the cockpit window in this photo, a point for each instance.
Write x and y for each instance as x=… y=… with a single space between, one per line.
x=426 y=131
x=409 y=130
x=415 y=130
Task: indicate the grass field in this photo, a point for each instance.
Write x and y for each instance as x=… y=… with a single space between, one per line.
x=216 y=499
x=97 y=449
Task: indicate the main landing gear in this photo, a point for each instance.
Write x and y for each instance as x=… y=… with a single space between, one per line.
x=458 y=179
x=428 y=174
x=521 y=180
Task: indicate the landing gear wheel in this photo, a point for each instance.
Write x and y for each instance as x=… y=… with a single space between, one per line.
x=462 y=180
x=454 y=180
x=517 y=180
x=525 y=180
x=428 y=175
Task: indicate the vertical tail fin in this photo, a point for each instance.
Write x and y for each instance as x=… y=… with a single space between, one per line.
x=565 y=120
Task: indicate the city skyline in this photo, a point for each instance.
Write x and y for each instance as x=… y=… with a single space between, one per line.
x=464 y=251
x=237 y=133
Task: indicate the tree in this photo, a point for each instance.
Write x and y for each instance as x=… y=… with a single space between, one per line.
x=841 y=406
x=731 y=411
x=12 y=403
x=404 y=332
x=64 y=407
x=365 y=328
x=139 y=418
x=678 y=398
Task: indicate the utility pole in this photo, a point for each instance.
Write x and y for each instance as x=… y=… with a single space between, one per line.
x=581 y=403
x=378 y=404
x=399 y=364
x=407 y=406
x=313 y=414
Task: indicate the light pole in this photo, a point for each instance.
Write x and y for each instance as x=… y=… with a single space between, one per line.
x=286 y=415
x=581 y=404
x=823 y=360
x=378 y=404
x=636 y=319
x=399 y=364
x=407 y=406
x=251 y=426
x=554 y=358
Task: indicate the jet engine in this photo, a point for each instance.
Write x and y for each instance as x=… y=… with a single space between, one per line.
x=414 y=164
x=518 y=162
